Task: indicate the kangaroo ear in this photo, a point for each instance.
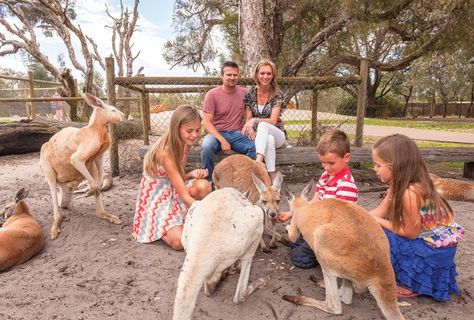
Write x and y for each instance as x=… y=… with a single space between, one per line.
x=291 y=197
x=93 y=101
x=258 y=183
x=7 y=211
x=307 y=189
x=285 y=191
x=21 y=194
x=277 y=181
x=246 y=193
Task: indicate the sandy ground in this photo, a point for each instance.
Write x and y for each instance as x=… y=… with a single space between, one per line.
x=94 y=270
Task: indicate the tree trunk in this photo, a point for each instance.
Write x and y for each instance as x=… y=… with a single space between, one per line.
x=468 y=111
x=371 y=102
x=407 y=99
x=432 y=106
x=405 y=107
x=70 y=91
x=252 y=34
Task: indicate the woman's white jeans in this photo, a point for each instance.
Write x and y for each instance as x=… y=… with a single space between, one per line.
x=267 y=140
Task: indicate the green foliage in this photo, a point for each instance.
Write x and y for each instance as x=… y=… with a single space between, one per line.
x=38 y=70
x=393 y=107
x=347 y=106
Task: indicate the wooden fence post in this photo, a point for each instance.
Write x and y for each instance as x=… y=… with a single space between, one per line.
x=314 y=115
x=145 y=106
x=27 y=104
x=110 y=78
x=32 y=94
x=468 y=171
x=361 y=102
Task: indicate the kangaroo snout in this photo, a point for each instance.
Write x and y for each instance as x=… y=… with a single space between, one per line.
x=272 y=214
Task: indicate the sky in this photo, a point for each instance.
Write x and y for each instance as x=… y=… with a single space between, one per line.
x=154 y=23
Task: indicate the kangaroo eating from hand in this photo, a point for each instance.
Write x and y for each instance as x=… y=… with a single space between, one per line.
x=251 y=178
x=349 y=244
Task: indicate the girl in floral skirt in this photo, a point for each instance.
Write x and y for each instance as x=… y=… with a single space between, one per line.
x=418 y=222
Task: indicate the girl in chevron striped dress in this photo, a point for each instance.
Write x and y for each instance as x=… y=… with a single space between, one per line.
x=166 y=191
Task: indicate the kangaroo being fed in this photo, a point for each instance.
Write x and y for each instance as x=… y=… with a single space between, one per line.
x=251 y=178
x=349 y=244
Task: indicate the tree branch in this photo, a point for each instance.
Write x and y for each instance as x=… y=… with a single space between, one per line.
x=318 y=39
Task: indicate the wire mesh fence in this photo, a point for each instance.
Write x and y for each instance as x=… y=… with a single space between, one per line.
x=28 y=98
x=313 y=105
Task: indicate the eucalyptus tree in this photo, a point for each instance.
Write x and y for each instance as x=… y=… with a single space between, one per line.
x=123 y=27
x=52 y=18
x=317 y=37
x=451 y=81
x=22 y=21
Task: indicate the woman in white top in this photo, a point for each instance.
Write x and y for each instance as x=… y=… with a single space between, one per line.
x=263 y=107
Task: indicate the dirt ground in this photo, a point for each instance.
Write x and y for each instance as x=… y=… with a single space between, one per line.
x=94 y=270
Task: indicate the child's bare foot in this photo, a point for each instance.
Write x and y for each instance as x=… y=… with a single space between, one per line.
x=406 y=293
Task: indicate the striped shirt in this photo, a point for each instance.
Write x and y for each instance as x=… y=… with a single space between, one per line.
x=341 y=186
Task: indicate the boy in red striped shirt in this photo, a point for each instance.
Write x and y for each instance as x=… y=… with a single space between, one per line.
x=336 y=182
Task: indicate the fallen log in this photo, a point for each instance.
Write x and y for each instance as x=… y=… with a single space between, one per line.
x=28 y=136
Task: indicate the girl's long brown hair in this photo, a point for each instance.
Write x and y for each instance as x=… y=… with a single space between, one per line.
x=170 y=143
x=408 y=168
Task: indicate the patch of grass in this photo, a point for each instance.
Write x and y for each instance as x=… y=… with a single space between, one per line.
x=455 y=126
x=369 y=165
x=370 y=140
x=322 y=121
x=437 y=144
x=297 y=134
x=297 y=122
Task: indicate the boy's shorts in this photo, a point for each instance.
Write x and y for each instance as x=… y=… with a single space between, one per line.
x=302 y=256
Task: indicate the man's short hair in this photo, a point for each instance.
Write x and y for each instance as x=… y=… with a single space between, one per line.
x=334 y=141
x=229 y=64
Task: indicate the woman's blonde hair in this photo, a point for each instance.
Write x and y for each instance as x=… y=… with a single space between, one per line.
x=273 y=84
x=170 y=143
x=408 y=168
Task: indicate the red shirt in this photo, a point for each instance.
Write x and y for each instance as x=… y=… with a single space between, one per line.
x=227 y=108
x=341 y=186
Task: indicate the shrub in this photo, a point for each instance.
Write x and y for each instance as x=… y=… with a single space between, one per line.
x=391 y=105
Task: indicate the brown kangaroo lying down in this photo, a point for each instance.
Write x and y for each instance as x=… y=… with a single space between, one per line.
x=21 y=237
x=349 y=244
x=453 y=189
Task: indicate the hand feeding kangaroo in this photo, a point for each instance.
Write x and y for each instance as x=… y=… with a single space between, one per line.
x=250 y=177
x=74 y=154
x=349 y=244
x=223 y=228
x=21 y=237
x=453 y=189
